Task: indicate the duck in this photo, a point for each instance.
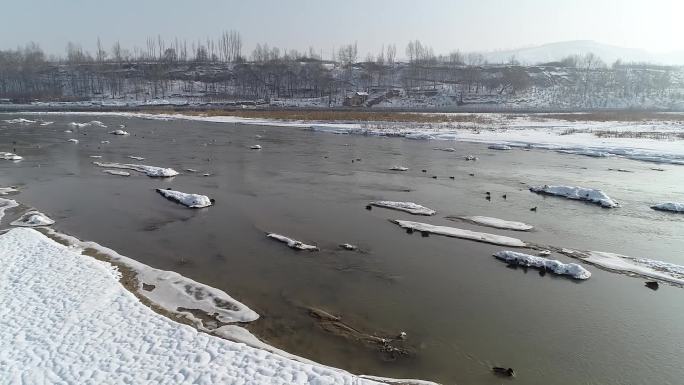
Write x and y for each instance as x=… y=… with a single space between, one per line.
x=533 y=208
x=653 y=285
x=508 y=372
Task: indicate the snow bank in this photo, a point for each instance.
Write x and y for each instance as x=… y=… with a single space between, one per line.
x=75 y=304
x=119 y=132
x=194 y=201
x=398 y=168
x=6 y=204
x=577 y=193
x=669 y=206
x=461 y=233
x=499 y=147
x=9 y=156
x=151 y=171
x=557 y=267
x=7 y=190
x=292 y=243
x=408 y=207
x=644 y=267
x=496 y=223
x=117 y=172
x=33 y=218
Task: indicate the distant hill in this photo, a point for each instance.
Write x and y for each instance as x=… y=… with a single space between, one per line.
x=609 y=53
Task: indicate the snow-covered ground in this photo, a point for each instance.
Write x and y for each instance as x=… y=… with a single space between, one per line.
x=65 y=318
x=557 y=267
x=193 y=201
x=409 y=207
x=461 y=233
x=657 y=141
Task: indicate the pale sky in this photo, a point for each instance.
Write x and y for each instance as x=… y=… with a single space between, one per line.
x=446 y=25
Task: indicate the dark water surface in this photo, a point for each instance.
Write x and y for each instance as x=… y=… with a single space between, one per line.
x=463 y=310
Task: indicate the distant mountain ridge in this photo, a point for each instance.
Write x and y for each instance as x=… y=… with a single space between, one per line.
x=608 y=53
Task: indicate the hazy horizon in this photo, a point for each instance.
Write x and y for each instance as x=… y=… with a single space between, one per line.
x=465 y=25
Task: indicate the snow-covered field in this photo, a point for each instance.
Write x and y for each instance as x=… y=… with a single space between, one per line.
x=64 y=318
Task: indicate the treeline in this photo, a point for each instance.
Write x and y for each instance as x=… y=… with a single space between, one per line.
x=219 y=70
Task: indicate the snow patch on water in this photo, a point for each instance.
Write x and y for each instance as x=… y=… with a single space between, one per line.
x=194 y=201
x=577 y=193
x=292 y=243
x=409 y=207
x=557 y=267
x=461 y=233
x=151 y=171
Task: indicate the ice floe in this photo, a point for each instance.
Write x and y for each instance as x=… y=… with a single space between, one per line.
x=577 y=193
x=643 y=267
x=119 y=132
x=151 y=171
x=398 y=168
x=674 y=207
x=499 y=147
x=194 y=201
x=495 y=222
x=292 y=243
x=6 y=204
x=557 y=267
x=461 y=233
x=409 y=207
x=33 y=218
x=9 y=156
x=77 y=303
x=7 y=190
x=117 y=172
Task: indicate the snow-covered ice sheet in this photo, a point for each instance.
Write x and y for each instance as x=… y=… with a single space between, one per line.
x=409 y=207
x=495 y=222
x=33 y=218
x=6 y=204
x=675 y=207
x=292 y=243
x=66 y=319
x=193 y=201
x=151 y=171
x=577 y=193
x=644 y=267
x=557 y=267
x=461 y=233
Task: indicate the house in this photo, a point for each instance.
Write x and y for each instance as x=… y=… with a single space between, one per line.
x=357 y=99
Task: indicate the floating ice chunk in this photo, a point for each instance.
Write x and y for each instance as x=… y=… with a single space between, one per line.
x=119 y=132
x=33 y=218
x=577 y=193
x=95 y=156
x=292 y=243
x=461 y=233
x=447 y=149
x=75 y=141
x=255 y=147
x=496 y=223
x=44 y=123
x=104 y=142
x=6 y=204
x=7 y=190
x=408 y=207
x=557 y=267
x=499 y=147
x=669 y=206
x=194 y=201
x=9 y=156
x=117 y=172
x=68 y=131
x=97 y=123
x=398 y=168
x=190 y=170
x=151 y=171
x=136 y=157
x=19 y=121
x=644 y=267
x=79 y=125
x=348 y=246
